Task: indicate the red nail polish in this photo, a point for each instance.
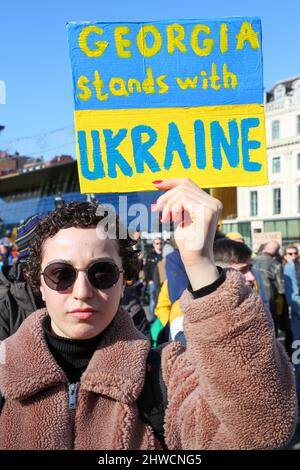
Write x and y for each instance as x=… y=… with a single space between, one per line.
x=160 y=219
x=157 y=181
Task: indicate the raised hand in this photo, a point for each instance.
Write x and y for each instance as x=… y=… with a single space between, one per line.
x=196 y=215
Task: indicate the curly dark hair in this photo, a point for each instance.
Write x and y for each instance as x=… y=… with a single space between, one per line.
x=82 y=215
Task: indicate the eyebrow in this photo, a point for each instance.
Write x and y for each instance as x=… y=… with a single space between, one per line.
x=93 y=260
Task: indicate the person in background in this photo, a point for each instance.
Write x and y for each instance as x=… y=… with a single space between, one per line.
x=132 y=303
x=237 y=255
x=168 y=247
x=159 y=273
x=17 y=299
x=271 y=271
x=290 y=253
x=152 y=259
x=227 y=254
x=5 y=251
x=284 y=315
x=258 y=282
x=132 y=297
x=292 y=293
x=168 y=315
x=236 y=236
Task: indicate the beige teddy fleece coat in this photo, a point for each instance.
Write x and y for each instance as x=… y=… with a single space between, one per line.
x=232 y=388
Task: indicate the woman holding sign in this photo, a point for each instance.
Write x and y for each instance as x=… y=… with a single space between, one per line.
x=75 y=375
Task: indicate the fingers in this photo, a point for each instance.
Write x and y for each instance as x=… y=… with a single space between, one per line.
x=177 y=204
x=169 y=183
x=183 y=195
x=175 y=186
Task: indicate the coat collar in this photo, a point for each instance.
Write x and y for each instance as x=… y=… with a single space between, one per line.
x=117 y=368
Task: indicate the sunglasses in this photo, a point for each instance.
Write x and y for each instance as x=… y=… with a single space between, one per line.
x=61 y=276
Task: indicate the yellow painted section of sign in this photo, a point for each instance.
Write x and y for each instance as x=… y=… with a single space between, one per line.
x=123 y=150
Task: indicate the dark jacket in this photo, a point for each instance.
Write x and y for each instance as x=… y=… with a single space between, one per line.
x=17 y=300
x=151 y=261
x=132 y=303
x=272 y=274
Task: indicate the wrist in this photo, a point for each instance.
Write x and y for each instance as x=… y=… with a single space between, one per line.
x=202 y=273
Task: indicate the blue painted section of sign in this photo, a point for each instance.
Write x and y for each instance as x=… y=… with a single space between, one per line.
x=176 y=74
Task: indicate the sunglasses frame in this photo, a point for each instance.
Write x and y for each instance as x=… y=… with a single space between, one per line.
x=49 y=281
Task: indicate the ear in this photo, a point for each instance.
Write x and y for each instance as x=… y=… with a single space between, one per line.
x=42 y=290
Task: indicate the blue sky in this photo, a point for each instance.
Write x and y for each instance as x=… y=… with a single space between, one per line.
x=34 y=59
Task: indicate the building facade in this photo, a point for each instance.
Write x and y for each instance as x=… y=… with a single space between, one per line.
x=275 y=207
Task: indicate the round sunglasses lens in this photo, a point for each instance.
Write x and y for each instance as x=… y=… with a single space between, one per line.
x=103 y=275
x=59 y=276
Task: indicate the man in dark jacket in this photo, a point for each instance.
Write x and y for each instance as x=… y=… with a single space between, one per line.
x=272 y=274
x=152 y=259
x=131 y=301
x=17 y=300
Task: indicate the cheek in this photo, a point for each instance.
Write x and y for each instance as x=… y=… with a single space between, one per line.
x=51 y=298
x=113 y=297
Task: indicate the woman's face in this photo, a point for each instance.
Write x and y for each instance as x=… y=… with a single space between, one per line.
x=81 y=311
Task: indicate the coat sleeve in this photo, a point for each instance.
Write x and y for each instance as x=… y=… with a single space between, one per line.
x=291 y=287
x=279 y=280
x=233 y=387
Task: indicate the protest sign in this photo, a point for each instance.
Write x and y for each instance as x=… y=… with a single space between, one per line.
x=168 y=99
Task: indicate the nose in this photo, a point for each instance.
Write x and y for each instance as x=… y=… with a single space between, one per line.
x=249 y=277
x=82 y=288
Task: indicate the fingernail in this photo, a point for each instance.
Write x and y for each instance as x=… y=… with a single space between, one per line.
x=157 y=181
x=160 y=219
x=153 y=206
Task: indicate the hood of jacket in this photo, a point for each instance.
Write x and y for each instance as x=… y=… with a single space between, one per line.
x=12 y=280
x=4 y=277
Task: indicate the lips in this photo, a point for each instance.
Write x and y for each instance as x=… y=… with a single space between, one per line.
x=82 y=313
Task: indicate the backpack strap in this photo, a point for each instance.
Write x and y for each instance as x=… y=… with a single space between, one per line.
x=153 y=400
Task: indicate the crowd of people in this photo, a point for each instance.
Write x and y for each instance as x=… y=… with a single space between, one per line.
x=83 y=317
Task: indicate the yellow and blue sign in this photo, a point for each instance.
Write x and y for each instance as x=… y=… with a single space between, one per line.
x=168 y=99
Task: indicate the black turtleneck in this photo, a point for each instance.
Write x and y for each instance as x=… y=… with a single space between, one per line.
x=72 y=355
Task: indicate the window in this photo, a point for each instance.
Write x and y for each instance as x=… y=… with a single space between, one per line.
x=275 y=130
x=253 y=203
x=293 y=228
x=276 y=201
x=298 y=124
x=279 y=92
x=298 y=198
x=289 y=229
x=296 y=86
x=276 y=165
x=298 y=161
